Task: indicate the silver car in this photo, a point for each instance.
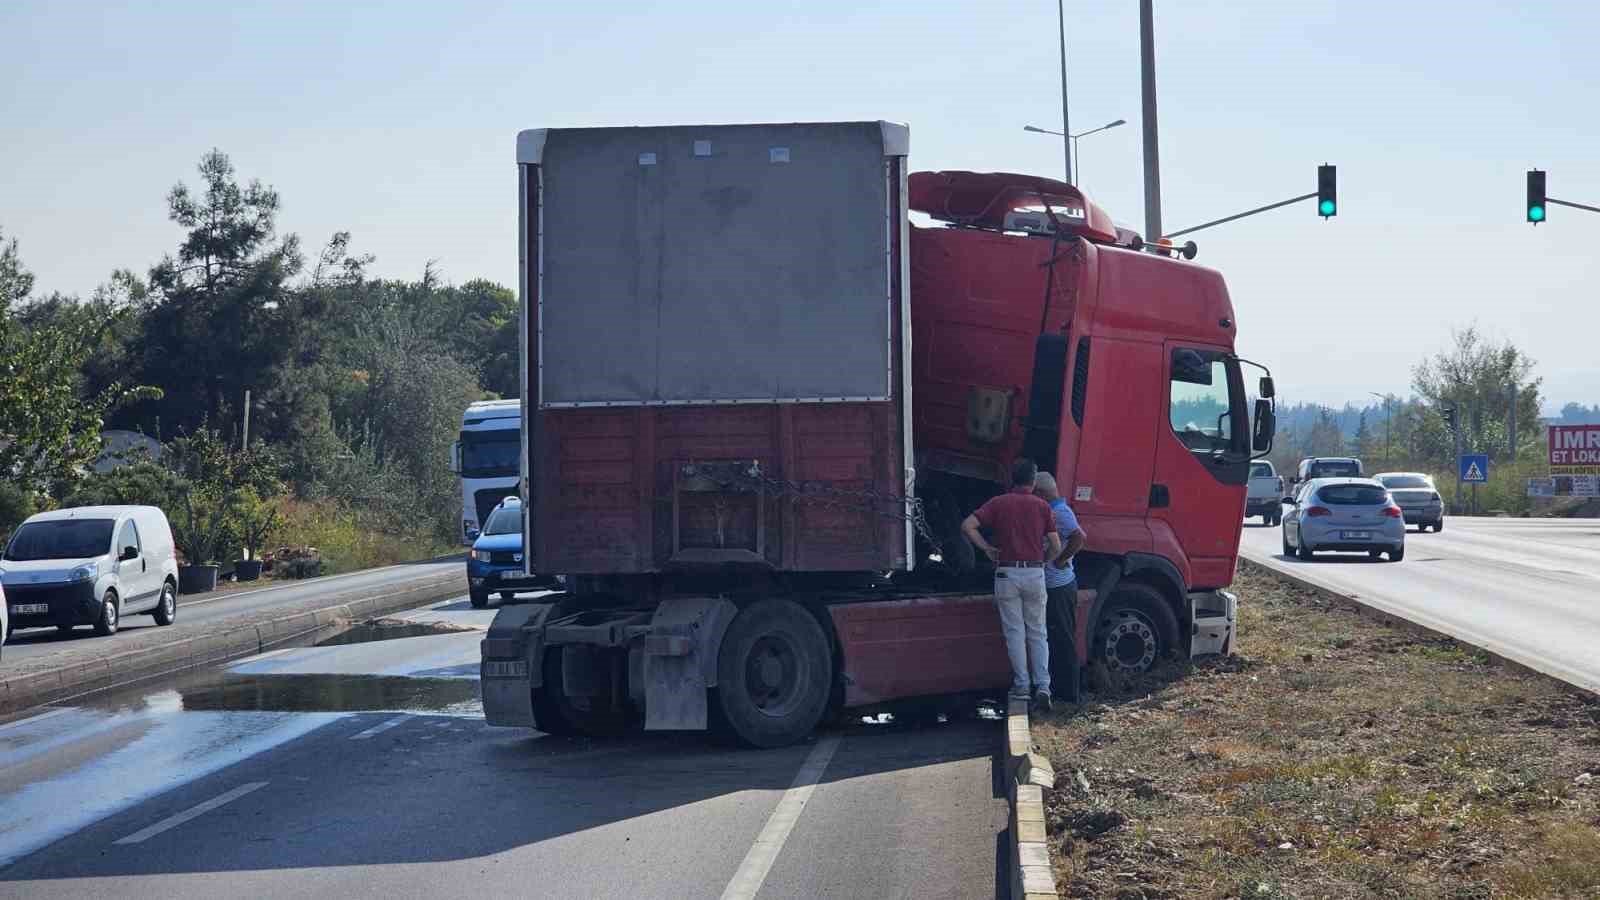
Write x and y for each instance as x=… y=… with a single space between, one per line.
x=1419 y=499
x=1351 y=514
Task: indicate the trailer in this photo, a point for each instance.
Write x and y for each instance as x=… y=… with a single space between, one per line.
x=728 y=424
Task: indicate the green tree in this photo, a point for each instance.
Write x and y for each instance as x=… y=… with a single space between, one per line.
x=1362 y=444
x=49 y=430
x=1483 y=378
x=214 y=323
x=1324 y=438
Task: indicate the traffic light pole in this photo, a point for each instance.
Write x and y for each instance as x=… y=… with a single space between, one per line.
x=1571 y=204
x=1259 y=209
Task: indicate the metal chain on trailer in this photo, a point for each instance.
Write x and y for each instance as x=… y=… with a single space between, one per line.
x=907 y=509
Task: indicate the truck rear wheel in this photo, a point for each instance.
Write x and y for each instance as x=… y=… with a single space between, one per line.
x=1135 y=629
x=567 y=715
x=774 y=673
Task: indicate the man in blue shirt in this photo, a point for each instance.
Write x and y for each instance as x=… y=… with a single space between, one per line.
x=1061 y=586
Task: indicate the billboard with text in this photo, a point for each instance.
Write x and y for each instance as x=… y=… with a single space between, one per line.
x=1575 y=449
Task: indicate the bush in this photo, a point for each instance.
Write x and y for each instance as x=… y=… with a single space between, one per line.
x=347 y=542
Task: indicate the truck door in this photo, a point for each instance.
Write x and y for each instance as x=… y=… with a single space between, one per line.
x=1202 y=464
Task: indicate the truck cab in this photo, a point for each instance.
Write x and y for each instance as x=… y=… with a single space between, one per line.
x=1037 y=331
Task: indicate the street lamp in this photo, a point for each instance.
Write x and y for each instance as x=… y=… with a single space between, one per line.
x=1388 y=419
x=1079 y=179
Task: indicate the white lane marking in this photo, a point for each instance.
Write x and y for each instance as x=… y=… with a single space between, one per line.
x=758 y=862
x=379 y=728
x=144 y=834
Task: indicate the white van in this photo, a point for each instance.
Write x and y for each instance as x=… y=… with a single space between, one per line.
x=90 y=566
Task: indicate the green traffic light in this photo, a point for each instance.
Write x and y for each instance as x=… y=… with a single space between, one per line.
x=1536 y=213
x=1326 y=208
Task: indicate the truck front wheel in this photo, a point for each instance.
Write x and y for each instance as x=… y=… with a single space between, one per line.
x=774 y=673
x=1135 y=629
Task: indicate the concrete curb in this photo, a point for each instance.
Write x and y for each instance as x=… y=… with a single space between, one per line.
x=1028 y=776
x=244 y=635
x=1393 y=619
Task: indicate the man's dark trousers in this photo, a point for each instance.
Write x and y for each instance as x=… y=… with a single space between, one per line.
x=1062 y=619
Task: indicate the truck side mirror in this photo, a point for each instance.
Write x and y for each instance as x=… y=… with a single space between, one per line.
x=455 y=457
x=1267 y=389
x=1266 y=426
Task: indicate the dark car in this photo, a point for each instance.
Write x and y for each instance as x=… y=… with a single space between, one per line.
x=1418 y=498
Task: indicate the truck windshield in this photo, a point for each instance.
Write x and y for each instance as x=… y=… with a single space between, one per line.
x=490 y=454
x=61 y=539
x=1204 y=396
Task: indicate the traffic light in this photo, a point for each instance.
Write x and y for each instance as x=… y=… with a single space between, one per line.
x=1536 y=201
x=1327 y=190
x=1448 y=413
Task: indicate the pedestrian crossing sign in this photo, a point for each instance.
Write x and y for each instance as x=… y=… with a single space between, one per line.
x=1474 y=468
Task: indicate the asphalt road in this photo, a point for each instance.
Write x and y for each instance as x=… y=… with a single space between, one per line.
x=1527 y=589
x=366 y=769
x=27 y=643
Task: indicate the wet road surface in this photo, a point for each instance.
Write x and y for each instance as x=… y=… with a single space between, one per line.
x=365 y=768
x=1528 y=589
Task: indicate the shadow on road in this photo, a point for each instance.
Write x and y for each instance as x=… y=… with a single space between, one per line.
x=442 y=788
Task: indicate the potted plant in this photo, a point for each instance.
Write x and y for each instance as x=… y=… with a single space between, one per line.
x=257 y=519
x=199 y=530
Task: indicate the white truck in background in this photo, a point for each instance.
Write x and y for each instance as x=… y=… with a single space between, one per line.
x=1266 y=493
x=488 y=458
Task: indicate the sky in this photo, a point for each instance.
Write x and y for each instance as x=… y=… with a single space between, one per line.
x=397 y=122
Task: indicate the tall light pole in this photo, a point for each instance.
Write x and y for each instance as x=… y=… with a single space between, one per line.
x=1074 y=138
x=1388 y=420
x=1152 y=150
x=1066 y=124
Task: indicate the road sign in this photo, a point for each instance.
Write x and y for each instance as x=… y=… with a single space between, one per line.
x=1474 y=468
x=1575 y=449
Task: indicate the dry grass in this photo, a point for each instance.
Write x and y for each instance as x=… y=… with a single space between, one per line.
x=1332 y=756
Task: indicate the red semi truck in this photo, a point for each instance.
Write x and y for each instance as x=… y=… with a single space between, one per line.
x=759 y=401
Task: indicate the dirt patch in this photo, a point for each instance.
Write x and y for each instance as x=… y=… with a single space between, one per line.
x=1331 y=757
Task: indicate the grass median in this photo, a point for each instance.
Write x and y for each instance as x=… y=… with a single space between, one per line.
x=1331 y=756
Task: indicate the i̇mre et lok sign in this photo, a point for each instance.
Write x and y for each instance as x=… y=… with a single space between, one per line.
x=1575 y=449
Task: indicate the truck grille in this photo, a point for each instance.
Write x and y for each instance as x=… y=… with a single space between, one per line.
x=504 y=558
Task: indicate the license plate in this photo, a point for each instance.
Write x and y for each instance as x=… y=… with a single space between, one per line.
x=505 y=669
x=28 y=609
x=1357 y=535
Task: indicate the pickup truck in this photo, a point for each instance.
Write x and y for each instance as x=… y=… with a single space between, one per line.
x=1266 y=491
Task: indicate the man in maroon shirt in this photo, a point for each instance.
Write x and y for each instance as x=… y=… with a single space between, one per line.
x=1022 y=525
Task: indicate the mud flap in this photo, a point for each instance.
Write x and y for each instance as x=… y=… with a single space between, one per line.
x=680 y=661
x=1215 y=615
x=511 y=664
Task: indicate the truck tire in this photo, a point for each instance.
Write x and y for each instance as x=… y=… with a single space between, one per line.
x=1136 y=628
x=774 y=675
x=565 y=715
x=548 y=716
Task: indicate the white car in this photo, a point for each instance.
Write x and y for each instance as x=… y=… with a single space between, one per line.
x=91 y=565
